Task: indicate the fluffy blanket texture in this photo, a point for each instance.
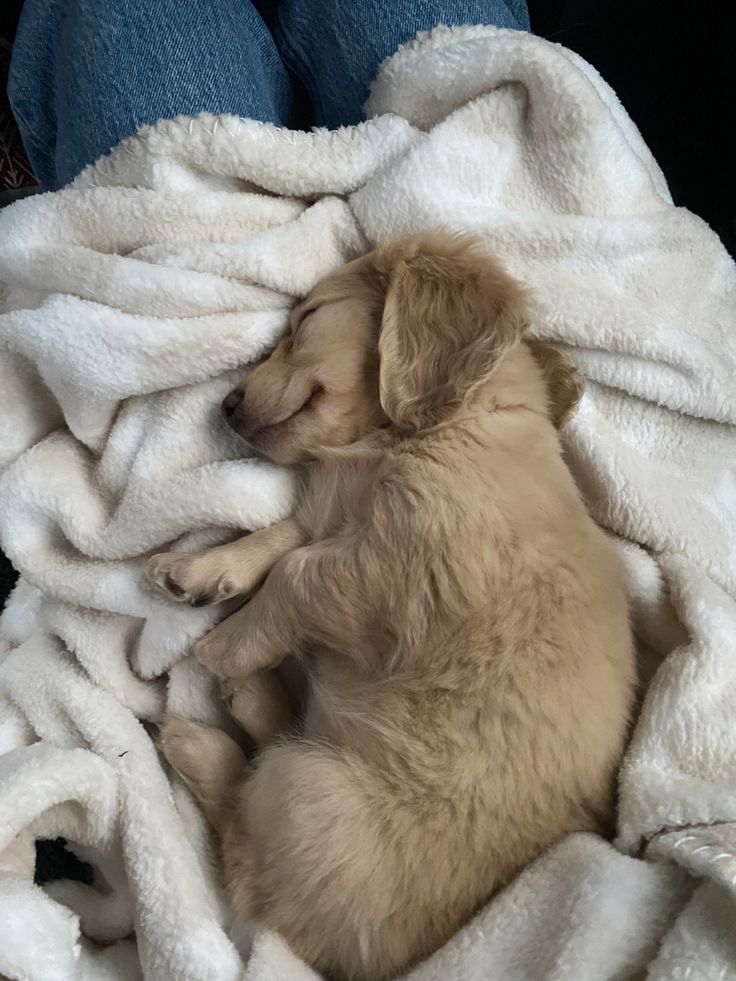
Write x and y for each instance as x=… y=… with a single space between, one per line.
x=133 y=299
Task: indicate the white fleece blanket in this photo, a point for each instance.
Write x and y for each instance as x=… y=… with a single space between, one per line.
x=133 y=299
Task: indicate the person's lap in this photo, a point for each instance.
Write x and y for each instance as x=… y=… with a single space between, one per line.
x=86 y=73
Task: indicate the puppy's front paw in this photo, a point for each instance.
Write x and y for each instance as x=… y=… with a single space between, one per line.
x=237 y=647
x=194 y=579
x=222 y=650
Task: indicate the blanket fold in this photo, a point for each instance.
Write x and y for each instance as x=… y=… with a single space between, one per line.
x=130 y=302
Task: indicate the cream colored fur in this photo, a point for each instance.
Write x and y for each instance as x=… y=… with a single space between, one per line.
x=460 y=619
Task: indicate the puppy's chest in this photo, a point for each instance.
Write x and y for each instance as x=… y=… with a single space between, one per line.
x=334 y=496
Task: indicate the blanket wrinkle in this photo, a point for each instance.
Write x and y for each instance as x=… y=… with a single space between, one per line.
x=131 y=300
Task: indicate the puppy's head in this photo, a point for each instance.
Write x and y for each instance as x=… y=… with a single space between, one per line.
x=319 y=387
x=403 y=335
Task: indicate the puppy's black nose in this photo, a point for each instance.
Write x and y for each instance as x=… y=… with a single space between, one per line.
x=231 y=402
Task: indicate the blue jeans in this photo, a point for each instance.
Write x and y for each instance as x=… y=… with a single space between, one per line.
x=87 y=73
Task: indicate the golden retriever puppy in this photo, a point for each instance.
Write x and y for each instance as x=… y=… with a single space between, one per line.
x=461 y=621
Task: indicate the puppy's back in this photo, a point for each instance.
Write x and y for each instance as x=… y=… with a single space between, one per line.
x=499 y=725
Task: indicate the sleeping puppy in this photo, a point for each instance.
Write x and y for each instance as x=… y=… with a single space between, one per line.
x=460 y=619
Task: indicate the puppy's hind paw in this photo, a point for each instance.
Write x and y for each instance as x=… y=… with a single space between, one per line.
x=209 y=762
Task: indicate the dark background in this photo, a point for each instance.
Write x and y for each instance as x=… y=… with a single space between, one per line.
x=673 y=66
x=674 y=69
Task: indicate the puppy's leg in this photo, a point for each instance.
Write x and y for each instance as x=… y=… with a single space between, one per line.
x=261 y=705
x=258 y=636
x=209 y=762
x=312 y=593
x=342 y=868
x=201 y=578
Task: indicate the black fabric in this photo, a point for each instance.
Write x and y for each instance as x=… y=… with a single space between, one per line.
x=54 y=861
x=9 y=14
x=7 y=578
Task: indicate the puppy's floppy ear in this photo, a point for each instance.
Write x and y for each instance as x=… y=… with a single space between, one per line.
x=450 y=314
x=565 y=384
